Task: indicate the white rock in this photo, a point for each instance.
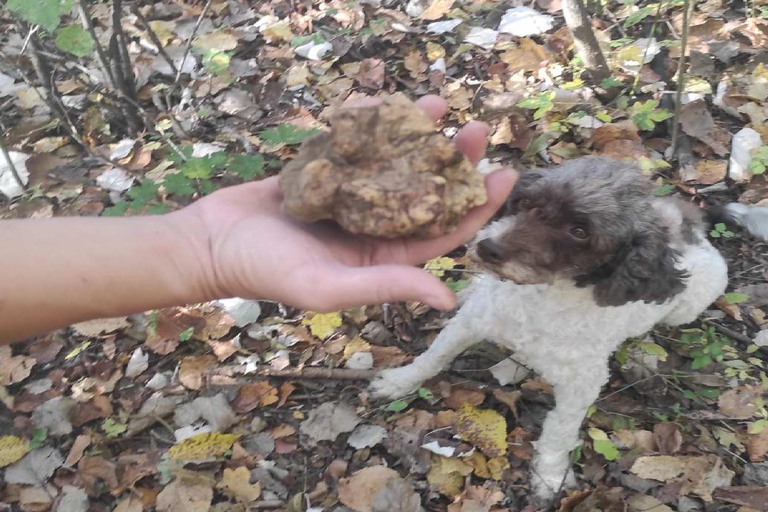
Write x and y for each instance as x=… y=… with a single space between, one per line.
x=441 y=27
x=524 y=21
x=8 y=184
x=744 y=142
x=314 y=51
x=483 y=37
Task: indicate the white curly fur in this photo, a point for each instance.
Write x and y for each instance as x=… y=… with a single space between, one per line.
x=560 y=332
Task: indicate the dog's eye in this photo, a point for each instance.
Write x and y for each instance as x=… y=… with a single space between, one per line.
x=525 y=203
x=580 y=233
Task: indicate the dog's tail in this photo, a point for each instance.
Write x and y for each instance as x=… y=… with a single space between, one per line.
x=752 y=218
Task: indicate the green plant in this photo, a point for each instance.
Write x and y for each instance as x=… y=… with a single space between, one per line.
x=705 y=345
x=541 y=103
x=646 y=115
x=759 y=160
x=720 y=230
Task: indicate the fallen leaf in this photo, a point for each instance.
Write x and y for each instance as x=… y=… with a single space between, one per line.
x=753 y=497
x=36 y=467
x=96 y=473
x=508 y=398
x=55 y=415
x=699 y=474
x=255 y=394
x=12 y=449
x=328 y=420
x=137 y=364
x=221 y=40
x=193 y=369
x=9 y=186
x=95 y=328
x=236 y=483
x=643 y=502
x=215 y=410
x=357 y=492
x=323 y=325
x=371 y=74
x=82 y=442
x=36 y=498
x=757 y=446
x=183 y=496
x=13 y=369
x=461 y=397
x=709 y=172
x=667 y=437
x=446 y=475
x=697 y=122
x=437 y=9
x=397 y=495
x=366 y=436
x=486 y=429
x=523 y=21
x=202 y=447
x=73 y=499
x=741 y=402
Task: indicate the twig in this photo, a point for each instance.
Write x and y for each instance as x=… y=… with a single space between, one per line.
x=122 y=69
x=11 y=166
x=153 y=36
x=636 y=81
x=86 y=19
x=309 y=372
x=729 y=332
x=189 y=41
x=680 y=77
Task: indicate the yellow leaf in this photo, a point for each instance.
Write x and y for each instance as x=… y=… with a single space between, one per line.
x=203 y=446
x=497 y=465
x=435 y=51
x=356 y=345
x=486 y=429
x=163 y=30
x=437 y=9
x=279 y=31
x=236 y=483
x=12 y=449
x=447 y=474
x=438 y=266
x=323 y=325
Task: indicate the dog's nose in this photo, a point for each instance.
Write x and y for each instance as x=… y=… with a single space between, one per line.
x=490 y=251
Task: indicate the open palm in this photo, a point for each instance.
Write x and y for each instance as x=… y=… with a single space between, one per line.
x=256 y=251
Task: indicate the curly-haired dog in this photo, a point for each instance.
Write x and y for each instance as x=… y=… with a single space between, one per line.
x=585 y=258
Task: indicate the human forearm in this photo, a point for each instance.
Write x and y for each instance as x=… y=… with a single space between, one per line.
x=56 y=272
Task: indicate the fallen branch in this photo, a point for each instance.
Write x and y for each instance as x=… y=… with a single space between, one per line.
x=308 y=372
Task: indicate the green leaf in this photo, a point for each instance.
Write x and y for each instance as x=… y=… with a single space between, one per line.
x=397 y=406
x=608 y=83
x=75 y=40
x=286 y=134
x=39 y=435
x=113 y=428
x=246 y=166
x=653 y=349
x=187 y=335
x=178 y=184
x=143 y=193
x=216 y=62
x=754 y=428
x=735 y=297
x=701 y=362
x=426 y=394
x=456 y=285
x=664 y=190
x=117 y=210
x=157 y=209
x=46 y=13
x=639 y=15
x=710 y=393
x=198 y=168
x=603 y=445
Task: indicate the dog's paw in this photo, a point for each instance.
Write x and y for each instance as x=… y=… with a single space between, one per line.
x=394 y=383
x=546 y=485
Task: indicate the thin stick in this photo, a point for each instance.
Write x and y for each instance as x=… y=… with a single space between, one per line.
x=680 y=78
x=309 y=372
x=636 y=81
x=11 y=166
x=189 y=41
x=82 y=9
x=153 y=36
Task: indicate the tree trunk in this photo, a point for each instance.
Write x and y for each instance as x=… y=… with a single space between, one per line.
x=584 y=39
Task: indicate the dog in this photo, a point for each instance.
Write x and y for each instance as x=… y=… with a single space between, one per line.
x=583 y=258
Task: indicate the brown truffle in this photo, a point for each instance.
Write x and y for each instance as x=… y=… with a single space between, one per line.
x=382 y=171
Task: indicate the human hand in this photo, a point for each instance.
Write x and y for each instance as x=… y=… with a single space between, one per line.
x=256 y=251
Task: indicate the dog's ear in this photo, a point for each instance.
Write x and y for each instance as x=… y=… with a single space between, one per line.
x=524 y=182
x=643 y=270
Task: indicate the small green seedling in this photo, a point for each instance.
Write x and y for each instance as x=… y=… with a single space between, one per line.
x=720 y=231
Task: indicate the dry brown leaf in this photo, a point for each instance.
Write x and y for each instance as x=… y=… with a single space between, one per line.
x=460 y=397
x=503 y=133
x=371 y=74
x=755 y=498
x=667 y=438
x=415 y=65
x=698 y=474
x=458 y=96
x=741 y=402
x=164 y=335
x=527 y=56
x=285 y=390
x=697 y=122
x=95 y=328
x=82 y=442
x=36 y=499
x=222 y=40
x=709 y=172
x=236 y=483
x=486 y=429
x=437 y=9
x=508 y=398
x=357 y=491
x=193 y=369
x=185 y=496
x=93 y=473
x=757 y=446
x=447 y=475
x=255 y=394
x=13 y=369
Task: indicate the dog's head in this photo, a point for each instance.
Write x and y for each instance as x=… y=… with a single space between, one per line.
x=591 y=220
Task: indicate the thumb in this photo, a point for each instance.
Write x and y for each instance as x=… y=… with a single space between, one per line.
x=357 y=286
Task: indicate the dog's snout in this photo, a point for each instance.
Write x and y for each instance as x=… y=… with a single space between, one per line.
x=490 y=251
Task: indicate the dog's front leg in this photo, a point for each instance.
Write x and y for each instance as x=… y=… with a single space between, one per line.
x=560 y=433
x=454 y=339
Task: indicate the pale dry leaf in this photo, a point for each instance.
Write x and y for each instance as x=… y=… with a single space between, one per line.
x=757 y=446
x=137 y=364
x=222 y=41
x=82 y=442
x=698 y=474
x=485 y=38
x=357 y=492
x=215 y=410
x=156 y=406
x=244 y=311
x=697 y=122
x=55 y=416
x=193 y=369
x=398 y=494
x=667 y=437
x=73 y=499
x=447 y=474
x=36 y=498
x=523 y=22
x=36 y=468
x=366 y=436
x=330 y=419
x=236 y=483
x=437 y=9
x=371 y=73
x=255 y=394
x=182 y=496
x=14 y=369
x=741 y=402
